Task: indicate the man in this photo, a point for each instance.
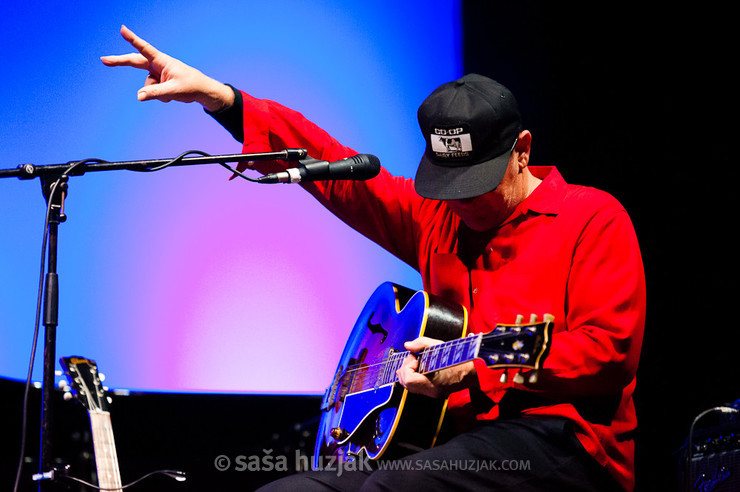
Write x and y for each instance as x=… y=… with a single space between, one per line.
x=502 y=238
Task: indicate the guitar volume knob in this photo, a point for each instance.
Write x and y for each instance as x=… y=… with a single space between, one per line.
x=338 y=433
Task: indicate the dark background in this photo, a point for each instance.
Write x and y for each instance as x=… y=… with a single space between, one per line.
x=632 y=98
x=637 y=99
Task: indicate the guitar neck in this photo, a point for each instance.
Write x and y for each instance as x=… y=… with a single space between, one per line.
x=431 y=359
x=448 y=354
x=106 y=459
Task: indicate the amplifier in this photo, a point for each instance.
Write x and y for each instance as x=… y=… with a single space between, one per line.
x=715 y=472
x=711 y=457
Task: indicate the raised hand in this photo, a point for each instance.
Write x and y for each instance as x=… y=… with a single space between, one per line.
x=169 y=79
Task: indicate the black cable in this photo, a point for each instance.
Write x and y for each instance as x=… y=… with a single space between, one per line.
x=237 y=173
x=172 y=161
x=82 y=162
x=176 y=474
x=194 y=152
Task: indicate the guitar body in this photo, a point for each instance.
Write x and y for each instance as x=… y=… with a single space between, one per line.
x=365 y=408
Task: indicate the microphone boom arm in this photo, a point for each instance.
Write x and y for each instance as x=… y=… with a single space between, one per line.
x=29 y=171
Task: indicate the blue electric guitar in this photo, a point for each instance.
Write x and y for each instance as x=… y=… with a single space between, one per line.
x=365 y=409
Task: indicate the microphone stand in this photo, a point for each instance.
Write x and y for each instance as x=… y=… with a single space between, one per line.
x=54 y=184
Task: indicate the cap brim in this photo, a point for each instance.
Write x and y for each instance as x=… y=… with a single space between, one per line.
x=455 y=183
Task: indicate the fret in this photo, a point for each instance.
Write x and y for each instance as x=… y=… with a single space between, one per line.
x=387 y=371
x=445 y=358
x=397 y=363
x=422 y=358
x=392 y=365
x=474 y=346
x=433 y=361
x=457 y=353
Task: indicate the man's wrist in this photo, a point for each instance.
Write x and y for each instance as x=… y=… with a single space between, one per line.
x=219 y=98
x=231 y=117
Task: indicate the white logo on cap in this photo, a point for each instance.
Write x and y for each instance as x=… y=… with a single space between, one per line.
x=451 y=146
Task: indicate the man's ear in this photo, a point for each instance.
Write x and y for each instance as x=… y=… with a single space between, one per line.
x=522 y=148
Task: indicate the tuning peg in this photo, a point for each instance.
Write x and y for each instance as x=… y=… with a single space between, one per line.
x=503 y=378
x=549 y=318
x=519 y=319
x=533 y=377
x=518 y=378
x=67 y=396
x=532 y=319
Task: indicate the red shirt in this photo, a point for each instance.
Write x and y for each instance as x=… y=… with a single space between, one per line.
x=567 y=250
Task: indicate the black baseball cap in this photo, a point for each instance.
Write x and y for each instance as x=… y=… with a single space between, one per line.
x=470 y=125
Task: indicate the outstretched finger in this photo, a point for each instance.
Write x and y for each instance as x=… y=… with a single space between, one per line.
x=136 y=60
x=142 y=46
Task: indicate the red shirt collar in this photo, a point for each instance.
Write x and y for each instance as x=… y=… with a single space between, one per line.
x=548 y=197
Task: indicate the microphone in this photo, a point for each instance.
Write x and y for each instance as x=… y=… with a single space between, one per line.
x=358 y=168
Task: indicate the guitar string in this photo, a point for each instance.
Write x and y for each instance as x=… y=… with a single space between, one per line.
x=360 y=375
x=402 y=354
x=372 y=371
x=114 y=453
x=432 y=350
x=105 y=450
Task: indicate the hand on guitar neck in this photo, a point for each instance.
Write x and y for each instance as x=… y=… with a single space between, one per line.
x=437 y=384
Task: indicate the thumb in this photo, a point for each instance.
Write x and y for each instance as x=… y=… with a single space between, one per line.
x=162 y=92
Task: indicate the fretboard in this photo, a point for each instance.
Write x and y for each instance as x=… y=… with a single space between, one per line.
x=106 y=459
x=363 y=377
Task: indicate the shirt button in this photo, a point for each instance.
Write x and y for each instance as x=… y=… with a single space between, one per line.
x=475 y=291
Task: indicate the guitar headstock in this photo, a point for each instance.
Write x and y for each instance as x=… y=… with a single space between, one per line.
x=84 y=378
x=518 y=345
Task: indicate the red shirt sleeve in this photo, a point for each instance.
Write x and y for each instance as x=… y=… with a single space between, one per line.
x=378 y=208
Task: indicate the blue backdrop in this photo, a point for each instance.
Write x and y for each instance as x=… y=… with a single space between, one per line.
x=182 y=280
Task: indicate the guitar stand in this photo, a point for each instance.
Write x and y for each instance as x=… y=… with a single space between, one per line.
x=54 y=184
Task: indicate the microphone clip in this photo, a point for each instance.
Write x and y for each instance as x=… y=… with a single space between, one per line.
x=357 y=167
x=295 y=174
